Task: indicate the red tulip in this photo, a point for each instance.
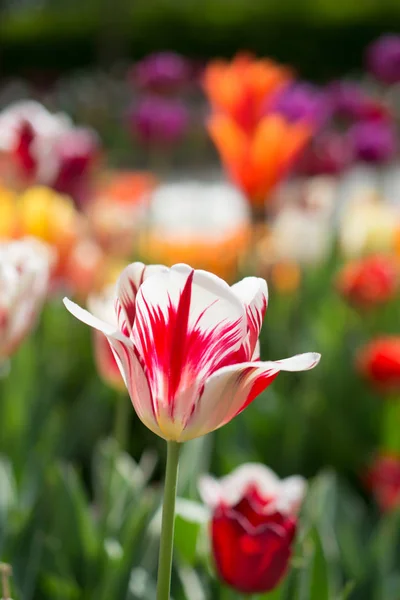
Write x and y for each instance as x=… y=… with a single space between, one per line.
x=369 y=281
x=186 y=345
x=383 y=480
x=379 y=363
x=253 y=526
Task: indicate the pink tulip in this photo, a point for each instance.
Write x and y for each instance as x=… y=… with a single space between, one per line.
x=185 y=345
x=24 y=277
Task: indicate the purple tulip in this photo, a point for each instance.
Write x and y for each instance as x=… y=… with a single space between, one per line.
x=373 y=141
x=350 y=101
x=162 y=72
x=303 y=102
x=159 y=121
x=383 y=59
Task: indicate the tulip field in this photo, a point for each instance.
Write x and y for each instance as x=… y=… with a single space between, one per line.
x=199 y=332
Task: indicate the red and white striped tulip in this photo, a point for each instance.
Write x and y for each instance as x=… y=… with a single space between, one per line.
x=25 y=267
x=186 y=345
x=102 y=306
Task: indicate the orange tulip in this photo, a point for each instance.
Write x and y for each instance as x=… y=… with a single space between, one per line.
x=128 y=187
x=241 y=88
x=257 y=163
x=118 y=212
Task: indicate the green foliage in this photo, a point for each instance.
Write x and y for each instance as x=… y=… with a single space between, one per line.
x=323 y=37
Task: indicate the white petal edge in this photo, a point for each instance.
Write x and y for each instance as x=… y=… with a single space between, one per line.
x=286 y=495
x=226 y=391
x=250 y=289
x=232 y=488
x=292 y=492
x=86 y=317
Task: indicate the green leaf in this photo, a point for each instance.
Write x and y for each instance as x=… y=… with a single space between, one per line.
x=194 y=460
x=313 y=582
x=8 y=495
x=59 y=588
x=75 y=533
x=191 y=584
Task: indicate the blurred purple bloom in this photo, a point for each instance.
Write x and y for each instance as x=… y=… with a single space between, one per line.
x=158 y=120
x=303 y=102
x=374 y=141
x=349 y=100
x=162 y=72
x=383 y=58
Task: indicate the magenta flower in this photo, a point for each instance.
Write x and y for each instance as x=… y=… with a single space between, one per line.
x=187 y=347
x=162 y=72
x=47 y=149
x=159 y=121
x=374 y=141
x=77 y=151
x=350 y=101
x=328 y=154
x=383 y=58
x=303 y=101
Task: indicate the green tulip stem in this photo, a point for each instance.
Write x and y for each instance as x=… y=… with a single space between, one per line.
x=168 y=521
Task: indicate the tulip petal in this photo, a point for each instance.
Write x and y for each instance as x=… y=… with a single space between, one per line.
x=253 y=291
x=86 y=317
x=292 y=492
x=128 y=285
x=228 y=391
x=256 y=352
x=251 y=560
x=129 y=365
x=188 y=324
x=230 y=489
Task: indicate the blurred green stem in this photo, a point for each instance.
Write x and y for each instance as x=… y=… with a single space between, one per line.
x=391 y=424
x=168 y=520
x=122 y=413
x=5 y=574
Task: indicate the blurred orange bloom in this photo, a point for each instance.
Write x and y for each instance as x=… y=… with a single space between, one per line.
x=256 y=164
x=118 y=211
x=369 y=281
x=286 y=277
x=128 y=187
x=241 y=88
x=83 y=269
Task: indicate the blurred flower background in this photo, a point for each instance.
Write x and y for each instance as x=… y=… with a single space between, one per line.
x=246 y=139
